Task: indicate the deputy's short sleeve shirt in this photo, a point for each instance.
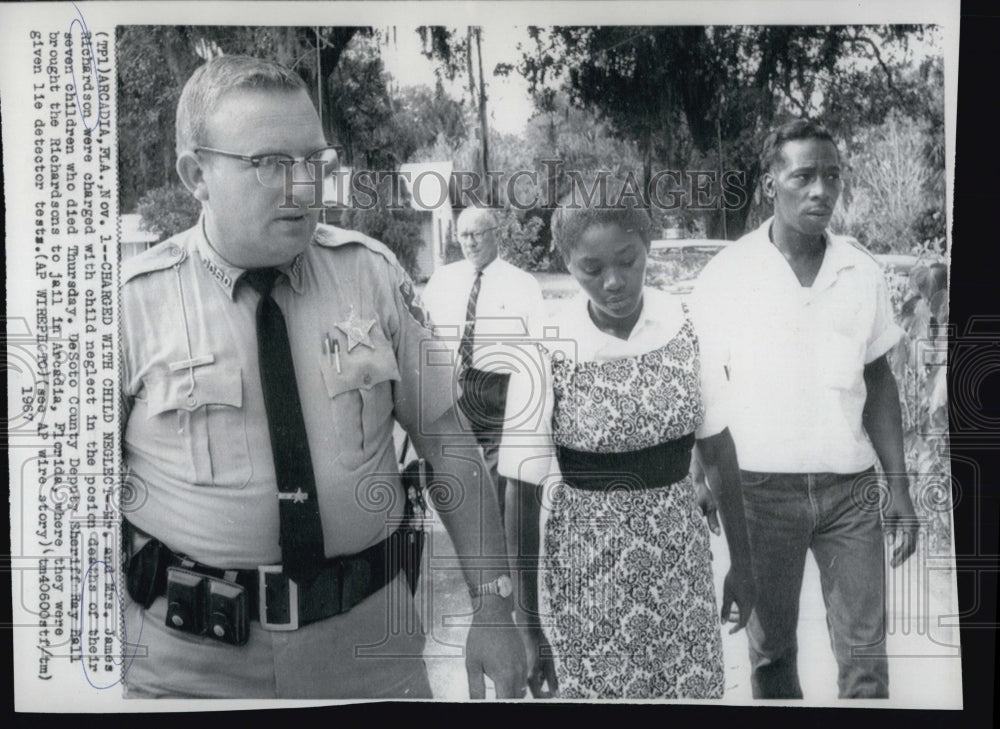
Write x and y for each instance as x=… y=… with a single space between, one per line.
x=786 y=362
x=196 y=441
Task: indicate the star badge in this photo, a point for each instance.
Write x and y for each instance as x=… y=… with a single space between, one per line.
x=356 y=330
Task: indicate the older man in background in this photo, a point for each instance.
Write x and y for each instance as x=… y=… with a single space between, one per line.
x=481 y=305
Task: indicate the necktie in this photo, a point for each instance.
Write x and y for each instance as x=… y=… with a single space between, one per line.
x=465 y=346
x=301 y=535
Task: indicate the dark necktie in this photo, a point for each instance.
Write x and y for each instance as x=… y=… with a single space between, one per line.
x=301 y=534
x=465 y=346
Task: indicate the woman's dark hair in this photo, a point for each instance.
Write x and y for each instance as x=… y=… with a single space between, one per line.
x=618 y=207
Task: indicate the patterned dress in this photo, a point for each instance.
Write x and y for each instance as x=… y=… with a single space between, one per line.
x=626 y=582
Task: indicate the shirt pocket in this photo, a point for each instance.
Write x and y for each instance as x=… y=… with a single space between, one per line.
x=359 y=384
x=206 y=407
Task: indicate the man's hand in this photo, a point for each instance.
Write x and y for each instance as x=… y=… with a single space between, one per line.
x=541 y=663
x=494 y=648
x=709 y=507
x=738 y=588
x=899 y=521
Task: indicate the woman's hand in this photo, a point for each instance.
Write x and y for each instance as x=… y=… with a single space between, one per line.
x=541 y=663
x=708 y=505
x=738 y=587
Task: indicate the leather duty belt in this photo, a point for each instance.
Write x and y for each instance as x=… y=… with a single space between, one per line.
x=204 y=599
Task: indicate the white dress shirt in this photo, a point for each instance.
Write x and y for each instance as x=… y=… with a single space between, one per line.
x=795 y=355
x=509 y=302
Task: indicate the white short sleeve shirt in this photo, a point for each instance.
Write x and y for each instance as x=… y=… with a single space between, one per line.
x=792 y=358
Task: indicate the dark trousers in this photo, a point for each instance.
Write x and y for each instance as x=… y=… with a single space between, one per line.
x=787 y=515
x=483 y=400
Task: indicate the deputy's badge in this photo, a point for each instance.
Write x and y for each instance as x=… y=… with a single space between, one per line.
x=356 y=330
x=413 y=304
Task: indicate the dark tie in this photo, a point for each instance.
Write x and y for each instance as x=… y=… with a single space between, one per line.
x=465 y=346
x=301 y=534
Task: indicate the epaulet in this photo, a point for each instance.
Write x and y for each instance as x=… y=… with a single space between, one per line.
x=159 y=257
x=329 y=236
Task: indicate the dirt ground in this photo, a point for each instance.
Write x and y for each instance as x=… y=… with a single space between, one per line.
x=924 y=664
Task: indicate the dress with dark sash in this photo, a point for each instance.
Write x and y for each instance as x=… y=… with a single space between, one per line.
x=626 y=589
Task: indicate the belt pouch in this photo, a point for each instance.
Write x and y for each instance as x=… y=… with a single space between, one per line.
x=186 y=600
x=228 y=612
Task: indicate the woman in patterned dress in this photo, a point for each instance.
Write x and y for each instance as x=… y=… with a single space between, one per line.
x=599 y=442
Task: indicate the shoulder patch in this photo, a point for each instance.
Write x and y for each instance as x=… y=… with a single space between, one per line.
x=159 y=257
x=329 y=236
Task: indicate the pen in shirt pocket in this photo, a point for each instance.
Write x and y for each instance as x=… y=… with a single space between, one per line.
x=331 y=349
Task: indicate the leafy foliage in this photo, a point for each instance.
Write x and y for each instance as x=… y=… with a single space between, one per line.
x=517 y=242
x=398 y=227
x=720 y=89
x=891 y=203
x=168 y=210
x=919 y=365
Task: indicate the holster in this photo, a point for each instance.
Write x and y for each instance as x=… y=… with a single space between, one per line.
x=415 y=477
x=146 y=570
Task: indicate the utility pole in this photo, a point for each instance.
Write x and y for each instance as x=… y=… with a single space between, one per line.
x=484 y=129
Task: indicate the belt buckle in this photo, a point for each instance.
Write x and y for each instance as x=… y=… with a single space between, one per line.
x=293 y=598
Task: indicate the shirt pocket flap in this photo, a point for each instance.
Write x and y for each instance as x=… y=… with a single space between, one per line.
x=361 y=369
x=212 y=386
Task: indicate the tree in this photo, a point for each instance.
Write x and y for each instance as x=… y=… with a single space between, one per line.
x=381 y=126
x=452 y=52
x=722 y=87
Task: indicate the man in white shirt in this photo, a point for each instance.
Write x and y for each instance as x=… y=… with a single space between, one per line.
x=483 y=307
x=800 y=321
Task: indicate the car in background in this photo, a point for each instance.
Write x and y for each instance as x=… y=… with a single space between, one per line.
x=674 y=263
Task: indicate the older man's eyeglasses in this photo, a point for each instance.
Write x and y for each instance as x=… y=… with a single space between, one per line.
x=271 y=167
x=476 y=236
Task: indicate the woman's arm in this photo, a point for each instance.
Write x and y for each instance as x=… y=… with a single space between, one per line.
x=718 y=456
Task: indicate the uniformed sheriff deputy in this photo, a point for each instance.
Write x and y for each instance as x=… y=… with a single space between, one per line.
x=215 y=444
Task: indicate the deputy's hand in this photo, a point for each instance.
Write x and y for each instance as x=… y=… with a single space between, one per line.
x=494 y=649
x=541 y=663
x=708 y=505
x=899 y=521
x=739 y=588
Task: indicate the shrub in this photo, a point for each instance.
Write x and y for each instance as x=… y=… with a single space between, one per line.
x=168 y=210
x=397 y=227
x=518 y=242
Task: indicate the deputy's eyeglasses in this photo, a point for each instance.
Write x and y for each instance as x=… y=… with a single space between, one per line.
x=271 y=167
x=475 y=235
